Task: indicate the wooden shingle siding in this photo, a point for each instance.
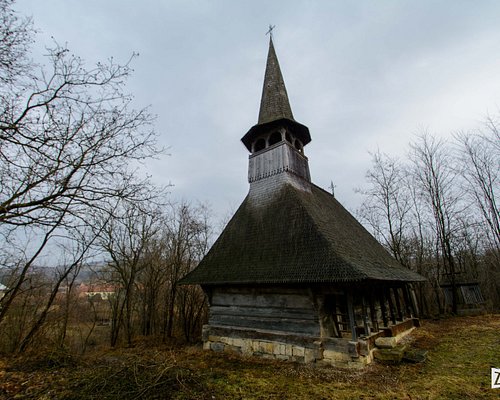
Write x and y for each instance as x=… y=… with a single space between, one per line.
x=279 y=158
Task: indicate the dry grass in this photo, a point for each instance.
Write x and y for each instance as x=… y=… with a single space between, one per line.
x=461 y=352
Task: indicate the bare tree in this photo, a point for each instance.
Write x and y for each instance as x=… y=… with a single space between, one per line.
x=438 y=214
x=437 y=179
x=388 y=204
x=16 y=35
x=149 y=251
x=125 y=240
x=189 y=233
x=62 y=274
x=394 y=210
x=193 y=309
x=422 y=249
x=25 y=308
x=70 y=143
x=151 y=284
x=480 y=157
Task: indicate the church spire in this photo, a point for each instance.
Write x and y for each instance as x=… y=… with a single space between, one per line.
x=275 y=113
x=274 y=103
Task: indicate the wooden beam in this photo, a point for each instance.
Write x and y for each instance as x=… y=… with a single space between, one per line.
x=373 y=312
x=365 y=316
x=383 y=308
x=391 y=306
x=398 y=303
x=414 y=301
x=335 y=318
x=408 y=305
x=350 y=312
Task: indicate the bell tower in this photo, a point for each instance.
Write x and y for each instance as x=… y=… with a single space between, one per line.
x=277 y=142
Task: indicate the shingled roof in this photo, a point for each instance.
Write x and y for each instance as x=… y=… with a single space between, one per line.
x=298 y=237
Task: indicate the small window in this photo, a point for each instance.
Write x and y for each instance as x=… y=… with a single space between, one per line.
x=260 y=144
x=275 y=138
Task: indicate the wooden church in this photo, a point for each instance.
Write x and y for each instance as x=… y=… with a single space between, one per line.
x=294 y=276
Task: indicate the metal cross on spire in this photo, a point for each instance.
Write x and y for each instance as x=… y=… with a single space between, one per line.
x=332 y=188
x=270 y=31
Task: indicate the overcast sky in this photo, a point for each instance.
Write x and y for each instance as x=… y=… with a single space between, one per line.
x=361 y=75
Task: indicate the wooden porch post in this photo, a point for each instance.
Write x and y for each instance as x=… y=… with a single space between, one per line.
x=408 y=305
x=350 y=313
x=382 y=308
x=391 y=306
x=365 y=316
x=373 y=312
x=414 y=301
x=398 y=303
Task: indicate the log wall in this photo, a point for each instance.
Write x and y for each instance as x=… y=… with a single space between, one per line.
x=277 y=309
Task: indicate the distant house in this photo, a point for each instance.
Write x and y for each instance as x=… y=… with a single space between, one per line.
x=99 y=293
x=101 y=290
x=294 y=276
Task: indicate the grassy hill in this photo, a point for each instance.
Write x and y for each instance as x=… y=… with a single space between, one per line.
x=461 y=352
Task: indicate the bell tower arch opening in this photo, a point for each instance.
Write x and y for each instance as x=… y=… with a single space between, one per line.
x=260 y=144
x=275 y=138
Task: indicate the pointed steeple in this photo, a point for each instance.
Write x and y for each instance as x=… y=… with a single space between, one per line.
x=274 y=103
x=275 y=112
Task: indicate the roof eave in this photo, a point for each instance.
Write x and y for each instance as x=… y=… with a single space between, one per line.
x=300 y=131
x=294 y=281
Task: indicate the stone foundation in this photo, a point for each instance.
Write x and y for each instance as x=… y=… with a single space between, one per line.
x=341 y=352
